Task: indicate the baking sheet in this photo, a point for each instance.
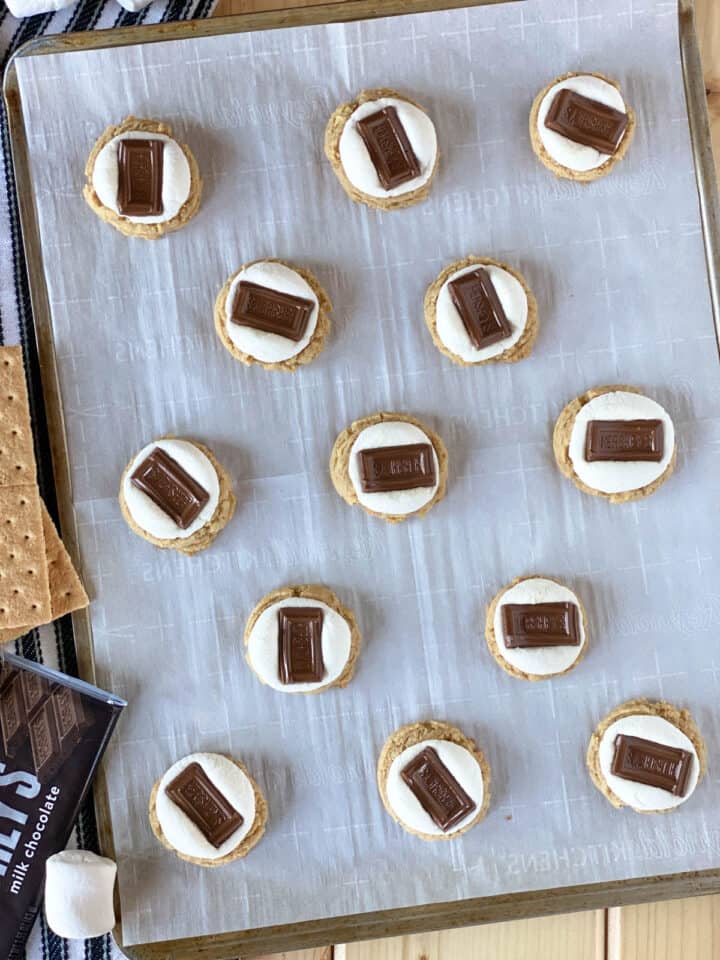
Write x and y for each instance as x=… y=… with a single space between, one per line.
x=619 y=273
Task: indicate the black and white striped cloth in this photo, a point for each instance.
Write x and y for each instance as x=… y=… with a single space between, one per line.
x=53 y=645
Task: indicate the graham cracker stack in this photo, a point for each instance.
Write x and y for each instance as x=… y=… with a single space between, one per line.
x=38 y=582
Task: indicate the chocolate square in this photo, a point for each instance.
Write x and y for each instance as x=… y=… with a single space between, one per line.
x=300 y=658
x=390 y=150
x=403 y=467
x=271 y=311
x=540 y=625
x=140 y=177
x=437 y=790
x=651 y=763
x=201 y=801
x=625 y=440
x=476 y=300
x=586 y=121
x=170 y=487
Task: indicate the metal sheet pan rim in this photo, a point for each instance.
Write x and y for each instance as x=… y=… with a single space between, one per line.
x=402 y=920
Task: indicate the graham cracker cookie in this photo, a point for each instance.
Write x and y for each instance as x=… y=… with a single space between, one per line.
x=414 y=733
x=567 y=173
x=17 y=452
x=323 y=595
x=130 y=228
x=66 y=590
x=308 y=353
x=519 y=350
x=492 y=639
x=561 y=447
x=340 y=459
x=248 y=842
x=677 y=717
x=203 y=537
x=333 y=132
x=24 y=584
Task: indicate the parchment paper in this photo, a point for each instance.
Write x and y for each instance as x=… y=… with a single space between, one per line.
x=619 y=273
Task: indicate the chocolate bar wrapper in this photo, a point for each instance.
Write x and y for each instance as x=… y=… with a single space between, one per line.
x=53 y=732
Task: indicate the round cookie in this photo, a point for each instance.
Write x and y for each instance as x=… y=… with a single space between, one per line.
x=181 y=183
x=387 y=430
x=448 y=330
x=567 y=158
x=351 y=160
x=340 y=638
x=534 y=663
x=149 y=521
x=616 y=481
x=458 y=753
x=657 y=721
x=271 y=350
x=176 y=831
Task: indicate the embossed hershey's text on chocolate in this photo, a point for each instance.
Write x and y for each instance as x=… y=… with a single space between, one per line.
x=540 y=625
x=300 y=658
x=390 y=150
x=201 y=801
x=480 y=310
x=625 y=440
x=271 y=311
x=586 y=121
x=651 y=763
x=170 y=487
x=140 y=178
x=405 y=467
x=437 y=790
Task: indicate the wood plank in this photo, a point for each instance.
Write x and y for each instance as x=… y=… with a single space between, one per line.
x=320 y=953
x=227 y=7
x=577 y=936
x=675 y=930
x=708 y=29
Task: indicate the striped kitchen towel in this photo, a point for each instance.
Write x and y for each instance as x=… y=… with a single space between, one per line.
x=53 y=645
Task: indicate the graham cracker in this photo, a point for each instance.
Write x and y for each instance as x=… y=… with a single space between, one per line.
x=17 y=454
x=24 y=582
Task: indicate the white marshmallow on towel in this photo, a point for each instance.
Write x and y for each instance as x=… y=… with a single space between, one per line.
x=28 y=8
x=134 y=5
x=79 y=894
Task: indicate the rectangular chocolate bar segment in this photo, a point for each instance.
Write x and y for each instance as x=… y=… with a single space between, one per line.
x=34 y=689
x=404 y=467
x=44 y=740
x=390 y=150
x=437 y=790
x=587 y=121
x=69 y=717
x=625 y=440
x=480 y=310
x=12 y=713
x=140 y=178
x=540 y=625
x=270 y=310
x=170 y=487
x=202 y=802
x=300 y=658
x=651 y=763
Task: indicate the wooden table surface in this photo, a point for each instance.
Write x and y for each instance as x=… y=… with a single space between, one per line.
x=678 y=930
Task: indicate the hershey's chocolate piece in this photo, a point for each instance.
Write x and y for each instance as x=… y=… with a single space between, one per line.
x=35 y=689
x=651 y=763
x=170 y=487
x=44 y=740
x=540 y=625
x=586 y=121
x=624 y=440
x=437 y=790
x=480 y=310
x=390 y=150
x=403 y=467
x=270 y=310
x=12 y=713
x=69 y=717
x=140 y=177
x=300 y=658
x=202 y=802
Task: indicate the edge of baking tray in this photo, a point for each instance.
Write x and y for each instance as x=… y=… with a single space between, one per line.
x=404 y=920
